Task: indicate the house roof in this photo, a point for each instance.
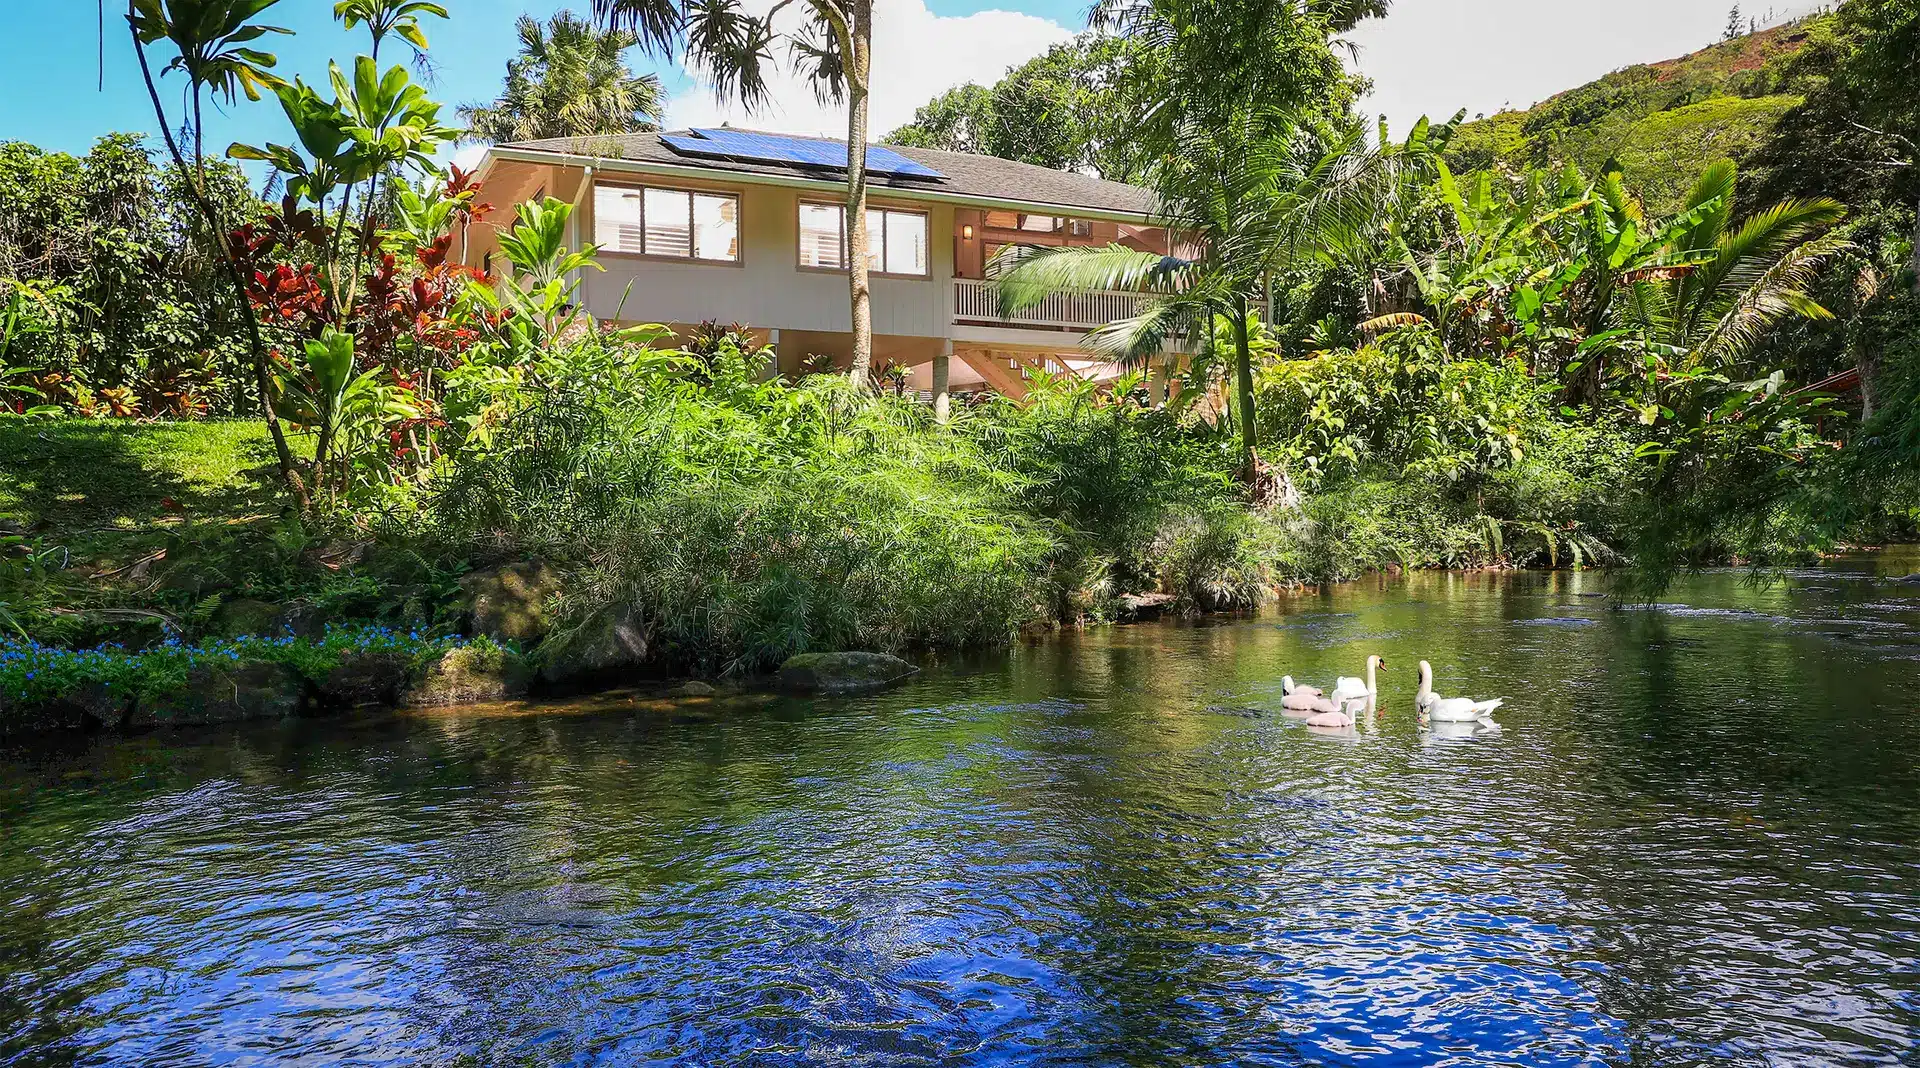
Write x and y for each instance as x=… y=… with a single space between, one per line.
x=968 y=177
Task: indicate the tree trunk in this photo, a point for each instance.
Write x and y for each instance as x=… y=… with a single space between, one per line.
x=257 y=348
x=859 y=68
x=1243 y=382
x=1914 y=266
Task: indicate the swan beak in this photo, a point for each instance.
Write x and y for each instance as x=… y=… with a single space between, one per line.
x=1380 y=661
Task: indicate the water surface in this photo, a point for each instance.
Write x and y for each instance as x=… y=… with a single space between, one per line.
x=1695 y=841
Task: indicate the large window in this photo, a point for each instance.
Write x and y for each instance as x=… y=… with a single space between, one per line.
x=677 y=223
x=896 y=240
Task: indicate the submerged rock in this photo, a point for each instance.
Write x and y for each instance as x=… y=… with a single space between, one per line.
x=509 y=603
x=225 y=693
x=835 y=673
x=470 y=673
x=693 y=688
x=612 y=641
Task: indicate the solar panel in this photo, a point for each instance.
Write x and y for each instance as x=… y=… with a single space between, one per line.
x=775 y=148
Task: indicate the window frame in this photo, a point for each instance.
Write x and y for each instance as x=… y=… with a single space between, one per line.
x=874 y=240
x=640 y=190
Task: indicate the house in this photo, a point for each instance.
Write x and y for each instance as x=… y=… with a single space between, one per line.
x=743 y=227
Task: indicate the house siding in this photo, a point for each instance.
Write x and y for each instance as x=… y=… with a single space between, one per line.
x=768 y=289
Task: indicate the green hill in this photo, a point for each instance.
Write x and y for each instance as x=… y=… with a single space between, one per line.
x=1663 y=121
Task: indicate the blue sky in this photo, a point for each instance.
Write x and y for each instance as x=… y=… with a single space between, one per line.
x=1427 y=56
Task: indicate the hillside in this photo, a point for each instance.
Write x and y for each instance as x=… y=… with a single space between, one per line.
x=1663 y=121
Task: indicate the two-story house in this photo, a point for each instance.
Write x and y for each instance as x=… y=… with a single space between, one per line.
x=740 y=227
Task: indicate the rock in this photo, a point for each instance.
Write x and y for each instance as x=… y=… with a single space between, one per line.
x=468 y=674
x=692 y=688
x=92 y=706
x=1144 y=605
x=362 y=679
x=225 y=693
x=509 y=603
x=245 y=616
x=100 y=706
x=299 y=621
x=835 y=673
x=613 y=640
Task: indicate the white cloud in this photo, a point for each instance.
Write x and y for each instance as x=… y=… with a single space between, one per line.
x=917 y=55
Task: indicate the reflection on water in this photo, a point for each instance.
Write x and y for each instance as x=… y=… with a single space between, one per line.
x=1694 y=841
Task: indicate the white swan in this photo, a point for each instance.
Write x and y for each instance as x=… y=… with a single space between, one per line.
x=1311 y=702
x=1452 y=709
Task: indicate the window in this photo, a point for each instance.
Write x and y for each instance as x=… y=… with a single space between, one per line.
x=896 y=240
x=676 y=223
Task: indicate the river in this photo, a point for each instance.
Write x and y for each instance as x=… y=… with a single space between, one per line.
x=1696 y=840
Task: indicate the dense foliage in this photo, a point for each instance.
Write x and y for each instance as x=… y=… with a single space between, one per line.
x=1546 y=344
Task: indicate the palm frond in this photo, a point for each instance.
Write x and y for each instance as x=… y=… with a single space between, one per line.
x=1025 y=276
x=1778 y=292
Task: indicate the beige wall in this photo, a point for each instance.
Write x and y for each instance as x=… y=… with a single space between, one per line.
x=768 y=289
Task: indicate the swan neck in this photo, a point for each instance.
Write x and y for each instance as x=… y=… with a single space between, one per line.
x=1426 y=679
x=1371 y=661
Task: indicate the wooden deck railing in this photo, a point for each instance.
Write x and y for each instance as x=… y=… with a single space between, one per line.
x=974 y=301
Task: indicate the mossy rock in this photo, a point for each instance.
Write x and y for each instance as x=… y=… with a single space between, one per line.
x=93 y=706
x=366 y=679
x=244 y=616
x=225 y=693
x=611 y=643
x=468 y=674
x=838 y=673
x=510 y=602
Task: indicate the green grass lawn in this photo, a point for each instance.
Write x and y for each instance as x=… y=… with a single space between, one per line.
x=99 y=485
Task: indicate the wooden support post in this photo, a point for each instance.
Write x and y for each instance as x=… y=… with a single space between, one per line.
x=941 y=360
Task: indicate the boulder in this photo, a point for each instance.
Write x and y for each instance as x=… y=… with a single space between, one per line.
x=92 y=706
x=468 y=674
x=509 y=603
x=363 y=679
x=612 y=641
x=100 y=706
x=299 y=621
x=244 y=616
x=837 y=673
x=225 y=693
x=692 y=688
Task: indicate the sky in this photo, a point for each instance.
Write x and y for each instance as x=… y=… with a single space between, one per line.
x=1427 y=57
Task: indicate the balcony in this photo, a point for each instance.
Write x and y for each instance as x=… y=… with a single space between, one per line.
x=976 y=304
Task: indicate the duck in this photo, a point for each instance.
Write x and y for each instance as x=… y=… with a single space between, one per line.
x=1314 y=702
x=1452 y=709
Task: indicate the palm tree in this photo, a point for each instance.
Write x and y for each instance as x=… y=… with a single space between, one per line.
x=1246 y=200
x=570 y=80
x=1742 y=279
x=833 y=46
